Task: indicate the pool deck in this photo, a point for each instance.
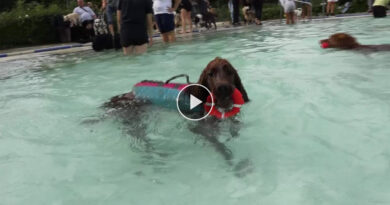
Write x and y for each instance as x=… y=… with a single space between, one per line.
x=24 y=52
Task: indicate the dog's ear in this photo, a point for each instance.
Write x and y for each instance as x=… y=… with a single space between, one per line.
x=237 y=82
x=203 y=80
x=240 y=87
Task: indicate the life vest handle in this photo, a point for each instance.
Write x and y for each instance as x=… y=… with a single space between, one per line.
x=178 y=76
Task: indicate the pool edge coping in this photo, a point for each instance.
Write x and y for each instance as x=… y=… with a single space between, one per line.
x=157 y=38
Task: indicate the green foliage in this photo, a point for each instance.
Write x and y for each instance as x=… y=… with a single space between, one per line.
x=28 y=23
x=358 y=6
x=271 y=11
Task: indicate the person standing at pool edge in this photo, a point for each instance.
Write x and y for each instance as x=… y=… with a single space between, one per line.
x=110 y=8
x=289 y=8
x=165 y=19
x=379 y=8
x=185 y=12
x=330 y=7
x=135 y=25
x=87 y=16
x=258 y=5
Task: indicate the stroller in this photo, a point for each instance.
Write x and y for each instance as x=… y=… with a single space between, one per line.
x=201 y=14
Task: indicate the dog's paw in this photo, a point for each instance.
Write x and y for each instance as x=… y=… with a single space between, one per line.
x=243 y=168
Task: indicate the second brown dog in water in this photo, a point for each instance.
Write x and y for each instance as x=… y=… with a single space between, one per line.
x=347 y=42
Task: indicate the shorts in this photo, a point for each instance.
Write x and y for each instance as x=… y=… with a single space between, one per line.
x=133 y=35
x=333 y=1
x=186 y=4
x=110 y=11
x=165 y=22
x=289 y=7
x=379 y=11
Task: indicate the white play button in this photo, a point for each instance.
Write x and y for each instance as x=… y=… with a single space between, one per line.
x=189 y=105
x=194 y=101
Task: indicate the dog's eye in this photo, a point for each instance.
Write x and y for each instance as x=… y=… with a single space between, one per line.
x=210 y=74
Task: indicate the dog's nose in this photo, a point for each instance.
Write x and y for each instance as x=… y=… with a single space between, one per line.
x=224 y=90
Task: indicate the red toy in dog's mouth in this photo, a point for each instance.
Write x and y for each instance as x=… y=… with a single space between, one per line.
x=237 y=100
x=324 y=45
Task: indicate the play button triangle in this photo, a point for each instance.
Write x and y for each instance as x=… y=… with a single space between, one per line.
x=194 y=101
x=188 y=105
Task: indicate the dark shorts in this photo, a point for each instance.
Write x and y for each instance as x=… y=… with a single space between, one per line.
x=379 y=11
x=131 y=35
x=110 y=11
x=165 y=22
x=186 y=4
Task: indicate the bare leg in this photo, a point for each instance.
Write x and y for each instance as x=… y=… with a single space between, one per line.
x=332 y=8
x=292 y=16
x=128 y=50
x=328 y=8
x=140 y=49
x=165 y=37
x=189 y=21
x=287 y=18
x=171 y=37
x=111 y=28
x=183 y=20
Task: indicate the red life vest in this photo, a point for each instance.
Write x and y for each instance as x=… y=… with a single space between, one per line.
x=237 y=100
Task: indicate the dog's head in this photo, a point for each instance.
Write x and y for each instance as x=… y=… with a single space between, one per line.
x=221 y=78
x=73 y=18
x=340 y=40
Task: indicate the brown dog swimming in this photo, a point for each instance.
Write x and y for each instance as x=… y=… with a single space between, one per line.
x=347 y=42
x=221 y=78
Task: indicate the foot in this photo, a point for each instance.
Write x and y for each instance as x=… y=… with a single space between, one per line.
x=258 y=22
x=236 y=24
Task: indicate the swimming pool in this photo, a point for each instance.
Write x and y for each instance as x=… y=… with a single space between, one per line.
x=315 y=132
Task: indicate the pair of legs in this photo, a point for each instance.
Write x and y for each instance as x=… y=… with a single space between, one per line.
x=135 y=50
x=306 y=11
x=258 y=5
x=186 y=20
x=236 y=11
x=290 y=18
x=166 y=25
x=369 y=4
x=134 y=39
x=330 y=7
x=110 y=11
x=230 y=6
x=169 y=37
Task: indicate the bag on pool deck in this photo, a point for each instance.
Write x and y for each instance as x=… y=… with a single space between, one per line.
x=163 y=93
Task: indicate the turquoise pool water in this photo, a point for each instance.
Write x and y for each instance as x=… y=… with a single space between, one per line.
x=315 y=132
